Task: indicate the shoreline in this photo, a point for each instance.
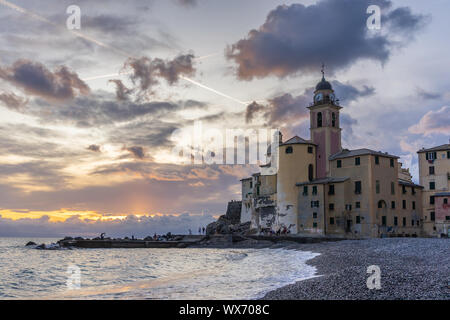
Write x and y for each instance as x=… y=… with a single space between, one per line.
x=411 y=269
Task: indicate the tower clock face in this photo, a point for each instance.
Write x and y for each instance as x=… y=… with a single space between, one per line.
x=318 y=97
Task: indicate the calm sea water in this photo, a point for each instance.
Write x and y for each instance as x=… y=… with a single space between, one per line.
x=27 y=273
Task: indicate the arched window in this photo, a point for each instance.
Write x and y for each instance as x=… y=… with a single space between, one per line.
x=311 y=172
x=289 y=150
x=333 y=119
x=319 y=119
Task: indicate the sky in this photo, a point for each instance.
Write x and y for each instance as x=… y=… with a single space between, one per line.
x=89 y=117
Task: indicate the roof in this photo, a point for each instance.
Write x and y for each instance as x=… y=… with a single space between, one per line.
x=444 y=147
x=360 y=152
x=409 y=183
x=442 y=194
x=297 y=140
x=323 y=181
x=324 y=85
x=246 y=179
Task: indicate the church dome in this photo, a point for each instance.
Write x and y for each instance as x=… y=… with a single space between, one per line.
x=324 y=85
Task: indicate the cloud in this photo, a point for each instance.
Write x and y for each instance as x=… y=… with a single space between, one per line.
x=122 y=92
x=298 y=38
x=146 y=72
x=428 y=95
x=140 y=227
x=287 y=109
x=187 y=3
x=13 y=102
x=433 y=122
x=137 y=152
x=35 y=79
x=94 y=148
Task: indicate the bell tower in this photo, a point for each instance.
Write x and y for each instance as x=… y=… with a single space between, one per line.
x=325 y=125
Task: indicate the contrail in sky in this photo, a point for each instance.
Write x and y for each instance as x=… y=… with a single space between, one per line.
x=107 y=46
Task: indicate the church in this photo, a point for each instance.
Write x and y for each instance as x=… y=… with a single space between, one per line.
x=320 y=188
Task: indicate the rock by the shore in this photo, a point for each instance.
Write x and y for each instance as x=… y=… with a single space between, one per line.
x=30 y=243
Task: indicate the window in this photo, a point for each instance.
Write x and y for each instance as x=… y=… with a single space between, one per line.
x=447 y=218
x=348 y=207
x=314 y=204
x=412 y=222
x=310 y=172
x=358 y=187
x=448 y=154
x=289 y=150
x=358 y=205
x=413 y=191
x=339 y=164
x=314 y=215
x=414 y=205
x=393 y=205
x=404 y=204
x=392 y=187
x=257 y=190
x=357 y=161
x=377 y=186
x=404 y=221
x=432 y=185
x=445 y=201
x=432 y=216
x=380 y=204
x=395 y=221
x=431 y=155
x=314 y=191
x=315 y=225
x=403 y=189
x=333 y=119
x=358 y=219
x=251 y=184
x=319 y=119
x=383 y=220
x=431 y=199
x=377 y=160
x=431 y=170
x=392 y=162
x=331 y=206
x=331 y=189
x=310 y=149
x=305 y=190
x=331 y=220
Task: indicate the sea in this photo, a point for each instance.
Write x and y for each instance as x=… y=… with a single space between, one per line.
x=176 y=274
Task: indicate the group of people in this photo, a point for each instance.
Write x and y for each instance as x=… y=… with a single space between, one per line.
x=201 y=230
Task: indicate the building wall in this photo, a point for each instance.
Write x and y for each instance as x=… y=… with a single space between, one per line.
x=440 y=177
x=293 y=168
x=247 y=193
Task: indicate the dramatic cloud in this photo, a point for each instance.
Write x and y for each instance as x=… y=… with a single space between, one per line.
x=288 y=109
x=76 y=226
x=137 y=152
x=99 y=110
x=122 y=92
x=94 y=148
x=34 y=78
x=13 y=101
x=146 y=72
x=298 y=38
x=187 y=3
x=433 y=122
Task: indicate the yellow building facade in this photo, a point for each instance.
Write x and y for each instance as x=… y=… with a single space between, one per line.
x=322 y=189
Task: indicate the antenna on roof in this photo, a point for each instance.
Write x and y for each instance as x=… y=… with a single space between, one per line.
x=323 y=70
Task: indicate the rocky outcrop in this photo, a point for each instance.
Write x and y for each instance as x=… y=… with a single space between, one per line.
x=230 y=223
